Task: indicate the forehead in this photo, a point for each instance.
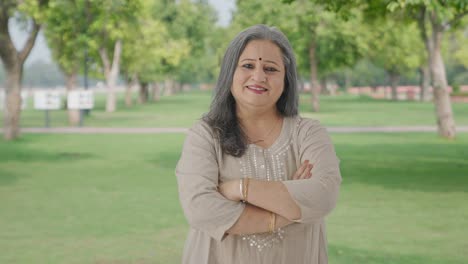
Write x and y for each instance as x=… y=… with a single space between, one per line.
x=264 y=49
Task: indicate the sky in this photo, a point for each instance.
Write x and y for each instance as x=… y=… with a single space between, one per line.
x=42 y=52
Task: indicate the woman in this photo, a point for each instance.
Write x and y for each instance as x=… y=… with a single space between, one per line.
x=245 y=173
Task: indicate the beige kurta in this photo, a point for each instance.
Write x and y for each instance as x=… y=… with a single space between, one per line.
x=202 y=166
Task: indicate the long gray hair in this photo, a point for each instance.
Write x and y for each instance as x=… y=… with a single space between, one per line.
x=222 y=116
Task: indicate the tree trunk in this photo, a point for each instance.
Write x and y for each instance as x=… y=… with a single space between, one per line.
x=73 y=114
x=156 y=92
x=168 y=87
x=177 y=87
x=128 y=95
x=144 y=93
x=111 y=72
x=314 y=82
x=12 y=110
x=443 y=105
x=424 y=82
x=129 y=91
x=13 y=61
x=323 y=86
x=333 y=87
x=347 y=82
x=394 y=80
x=423 y=17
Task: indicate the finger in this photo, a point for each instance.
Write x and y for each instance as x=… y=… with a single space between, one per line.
x=307 y=174
x=301 y=170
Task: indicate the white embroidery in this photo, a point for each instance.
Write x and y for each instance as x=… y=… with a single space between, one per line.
x=274 y=160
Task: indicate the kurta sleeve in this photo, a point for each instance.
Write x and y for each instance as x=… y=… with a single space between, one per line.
x=197 y=176
x=317 y=196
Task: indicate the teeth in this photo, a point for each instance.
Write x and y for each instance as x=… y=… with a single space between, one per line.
x=258 y=89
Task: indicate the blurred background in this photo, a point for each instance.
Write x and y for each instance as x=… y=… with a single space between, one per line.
x=96 y=96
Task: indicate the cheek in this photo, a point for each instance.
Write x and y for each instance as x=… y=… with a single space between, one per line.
x=279 y=84
x=236 y=79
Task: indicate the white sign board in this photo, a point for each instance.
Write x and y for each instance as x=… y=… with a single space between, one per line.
x=80 y=99
x=47 y=100
x=24 y=100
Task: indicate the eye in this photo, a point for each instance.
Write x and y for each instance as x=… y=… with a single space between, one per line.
x=270 y=69
x=248 y=66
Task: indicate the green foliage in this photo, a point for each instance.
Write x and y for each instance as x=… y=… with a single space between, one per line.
x=66 y=33
x=79 y=25
x=444 y=11
x=108 y=22
x=365 y=73
x=460 y=43
x=396 y=47
x=194 y=23
x=339 y=42
x=148 y=46
x=35 y=9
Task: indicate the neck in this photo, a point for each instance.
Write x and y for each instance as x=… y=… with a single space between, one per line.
x=260 y=127
x=256 y=116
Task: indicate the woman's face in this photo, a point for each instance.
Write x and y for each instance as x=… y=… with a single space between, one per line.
x=259 y=76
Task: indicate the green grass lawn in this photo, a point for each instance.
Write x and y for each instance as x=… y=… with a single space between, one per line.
x=184 y=109
x=113 y=199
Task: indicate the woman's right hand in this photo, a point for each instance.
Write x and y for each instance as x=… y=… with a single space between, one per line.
x=304 y=172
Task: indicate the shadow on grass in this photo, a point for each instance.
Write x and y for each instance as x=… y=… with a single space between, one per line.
x=340 y=254
x=165 y=159
x=19 y=151
x=7 y=177
x=407 y=166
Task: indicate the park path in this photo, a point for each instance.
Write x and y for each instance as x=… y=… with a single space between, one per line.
x=154 y=130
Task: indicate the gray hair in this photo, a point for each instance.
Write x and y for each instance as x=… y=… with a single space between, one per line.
x=222 y=115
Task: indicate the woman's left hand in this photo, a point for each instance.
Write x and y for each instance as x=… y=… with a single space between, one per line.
x=230 y=190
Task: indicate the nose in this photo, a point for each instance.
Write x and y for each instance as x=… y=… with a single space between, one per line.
x=258 y=74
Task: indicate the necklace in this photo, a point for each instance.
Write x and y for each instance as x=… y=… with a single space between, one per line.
x=267 y=135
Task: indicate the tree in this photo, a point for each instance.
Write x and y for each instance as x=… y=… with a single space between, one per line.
x=193 y=23
x=461 y=52
x=65 y=31
x=332 y=43
x=149 y=49
x=13 y=60
x=395 y=47
x=435 y=17
x=109 y=23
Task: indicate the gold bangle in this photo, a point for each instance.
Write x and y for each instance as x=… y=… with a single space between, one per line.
x=241 y=188
x=246 y=188
x=272 y=222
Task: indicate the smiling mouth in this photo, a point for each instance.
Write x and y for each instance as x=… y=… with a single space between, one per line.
x=256 y=88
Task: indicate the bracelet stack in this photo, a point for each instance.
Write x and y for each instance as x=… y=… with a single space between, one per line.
x=244 y=192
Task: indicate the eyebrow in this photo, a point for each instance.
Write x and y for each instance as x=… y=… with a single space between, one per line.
x=270 y=61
